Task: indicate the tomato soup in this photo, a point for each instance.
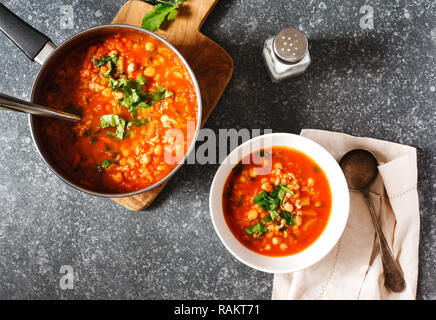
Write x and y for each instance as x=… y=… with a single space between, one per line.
x=279 y=211
x=132 y=93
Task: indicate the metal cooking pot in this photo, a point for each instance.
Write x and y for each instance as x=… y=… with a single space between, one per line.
x=41 y=49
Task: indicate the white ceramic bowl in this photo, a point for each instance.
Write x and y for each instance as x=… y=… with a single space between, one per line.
x=332 y=232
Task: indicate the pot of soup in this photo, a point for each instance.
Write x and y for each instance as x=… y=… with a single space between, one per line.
x=138 y=99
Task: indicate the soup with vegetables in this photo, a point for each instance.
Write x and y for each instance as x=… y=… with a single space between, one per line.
x=132 y=92
x=281 y=211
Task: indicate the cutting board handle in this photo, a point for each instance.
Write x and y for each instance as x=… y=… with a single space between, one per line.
x=194 y=17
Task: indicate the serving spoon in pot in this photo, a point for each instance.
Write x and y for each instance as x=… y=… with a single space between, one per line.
x=360 y=170
x=11 y=103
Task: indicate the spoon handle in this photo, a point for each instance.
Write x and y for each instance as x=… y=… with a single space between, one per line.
x=11 y=103
x=394 y=278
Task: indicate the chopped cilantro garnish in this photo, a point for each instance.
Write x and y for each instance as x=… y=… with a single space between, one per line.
x=258 y=228
x=134 y=93
x=137 y=123
x=105 y=164
x=113 y=120
x=271 y=202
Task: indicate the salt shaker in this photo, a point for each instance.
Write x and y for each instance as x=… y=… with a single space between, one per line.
x=286 y=54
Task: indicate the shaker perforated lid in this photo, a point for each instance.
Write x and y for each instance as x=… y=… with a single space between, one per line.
x=290 y=45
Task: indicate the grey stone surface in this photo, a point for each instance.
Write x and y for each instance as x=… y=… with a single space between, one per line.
x=378 y=83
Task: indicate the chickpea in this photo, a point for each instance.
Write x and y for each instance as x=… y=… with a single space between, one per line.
x=145 y=159
x=156 y=62
x=132 y=67
x=124 y=152
x=131 y=162
x=298 y=220
x=275 y=241
x=178 y=75
x=117 y=177
x=149 y=46
x=149 y=71
x=278 y=165
x=107 y=92
x=252 y=214
x=118 y=95
x=310 y=182
x=267 y=187
x=267 y=247
x=288 y=207
x=283 y=246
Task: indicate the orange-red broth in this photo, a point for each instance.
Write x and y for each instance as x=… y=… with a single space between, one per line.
x=136 y=161
x=307 y=209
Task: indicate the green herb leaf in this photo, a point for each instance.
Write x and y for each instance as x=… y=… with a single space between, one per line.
x=105 y=164
x=113 y=120
x=112 y=59
x=142 y=80
x=267 y=219
x=289 y=218
x=286 y=189
x=153 y=19
x=160 y=94
x=274 y=214
x=261 y=196
x=259 y=228
x=137 y=123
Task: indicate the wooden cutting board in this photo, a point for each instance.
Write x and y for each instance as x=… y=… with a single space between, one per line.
x=212 y=65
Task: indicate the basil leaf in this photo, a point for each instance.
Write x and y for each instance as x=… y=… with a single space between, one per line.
x=257 y=228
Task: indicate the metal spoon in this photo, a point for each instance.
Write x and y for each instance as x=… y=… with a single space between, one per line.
x=11 y=103
x=360 y=170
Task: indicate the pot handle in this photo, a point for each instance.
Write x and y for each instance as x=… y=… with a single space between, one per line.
x=27 y=38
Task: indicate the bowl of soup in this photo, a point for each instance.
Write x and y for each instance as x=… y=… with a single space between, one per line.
x=279 y=202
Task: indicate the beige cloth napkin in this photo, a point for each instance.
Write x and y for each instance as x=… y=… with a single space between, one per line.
x=353 y=268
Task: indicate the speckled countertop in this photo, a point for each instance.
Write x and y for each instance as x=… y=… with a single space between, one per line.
x=376 y=82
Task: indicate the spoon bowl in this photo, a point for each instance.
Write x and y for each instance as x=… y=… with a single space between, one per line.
x=360 y=169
